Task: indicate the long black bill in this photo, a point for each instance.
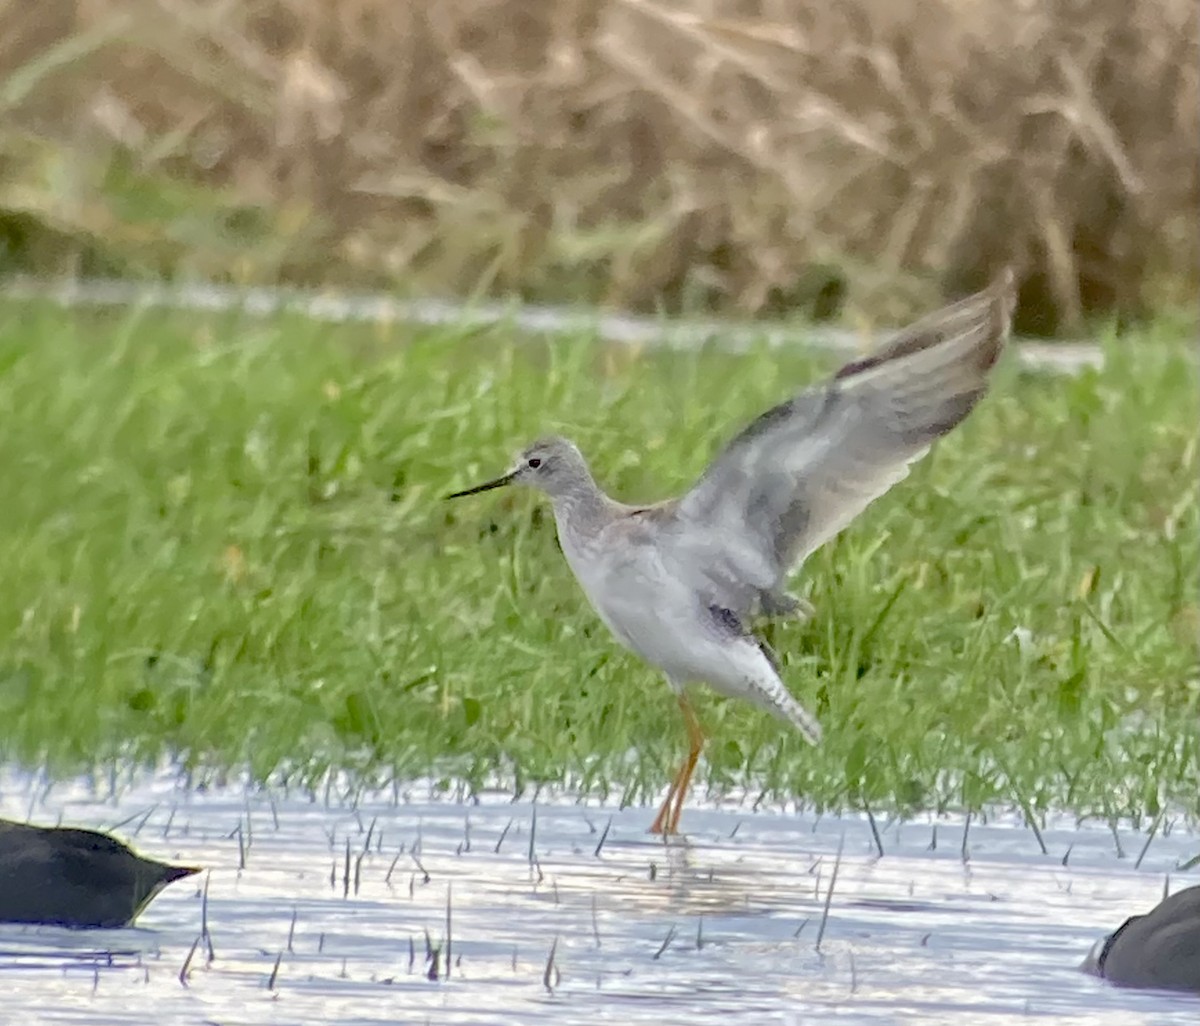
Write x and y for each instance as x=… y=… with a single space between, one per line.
x=487 y=486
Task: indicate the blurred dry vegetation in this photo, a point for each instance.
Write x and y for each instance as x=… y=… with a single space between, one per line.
x=759 y=156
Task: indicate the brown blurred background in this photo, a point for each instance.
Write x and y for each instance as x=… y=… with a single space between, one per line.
x=732 y=156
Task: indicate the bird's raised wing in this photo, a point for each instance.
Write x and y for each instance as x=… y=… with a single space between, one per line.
x=803 y=470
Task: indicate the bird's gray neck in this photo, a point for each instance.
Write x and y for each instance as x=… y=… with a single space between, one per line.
x=582 y=510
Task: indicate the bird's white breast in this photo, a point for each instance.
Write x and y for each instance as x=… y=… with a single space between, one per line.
x=650 y=610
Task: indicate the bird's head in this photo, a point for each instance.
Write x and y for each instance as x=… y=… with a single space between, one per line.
x=552 y=465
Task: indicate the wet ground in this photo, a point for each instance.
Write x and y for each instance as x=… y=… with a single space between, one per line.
x=416 y=906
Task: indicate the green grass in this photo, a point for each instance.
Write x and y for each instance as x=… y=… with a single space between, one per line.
x=222 y=539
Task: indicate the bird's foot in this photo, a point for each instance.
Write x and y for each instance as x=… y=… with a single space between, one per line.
x=662 y=824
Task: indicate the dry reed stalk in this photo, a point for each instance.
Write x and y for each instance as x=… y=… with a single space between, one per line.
x=645 y=153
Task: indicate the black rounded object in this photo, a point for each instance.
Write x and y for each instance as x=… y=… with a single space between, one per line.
x=1159 y=949
x=63 y=876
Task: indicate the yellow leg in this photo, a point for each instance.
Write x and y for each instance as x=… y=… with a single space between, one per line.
x=667 y=820
x=664 y=813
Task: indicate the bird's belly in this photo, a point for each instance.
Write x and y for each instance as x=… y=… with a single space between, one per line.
x=673 y=647
x=647 y=610
x=664 y=627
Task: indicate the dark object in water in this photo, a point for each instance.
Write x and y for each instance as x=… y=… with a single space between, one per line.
x=1159 y=949
x=62 y=876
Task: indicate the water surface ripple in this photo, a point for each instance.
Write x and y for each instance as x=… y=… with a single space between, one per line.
x=335 y=911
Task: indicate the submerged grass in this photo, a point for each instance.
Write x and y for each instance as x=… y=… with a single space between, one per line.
x=222 y=538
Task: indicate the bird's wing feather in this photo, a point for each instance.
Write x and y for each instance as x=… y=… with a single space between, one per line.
x=803 y=470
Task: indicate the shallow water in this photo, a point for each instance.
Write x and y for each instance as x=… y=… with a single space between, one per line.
x=725 y=922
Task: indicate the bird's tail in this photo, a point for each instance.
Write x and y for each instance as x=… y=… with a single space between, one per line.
x=772 y=694
x=759 y=676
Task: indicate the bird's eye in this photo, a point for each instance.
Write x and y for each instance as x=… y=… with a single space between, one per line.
x=534 y=463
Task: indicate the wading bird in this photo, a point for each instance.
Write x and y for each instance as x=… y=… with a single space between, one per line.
x=677 y=582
